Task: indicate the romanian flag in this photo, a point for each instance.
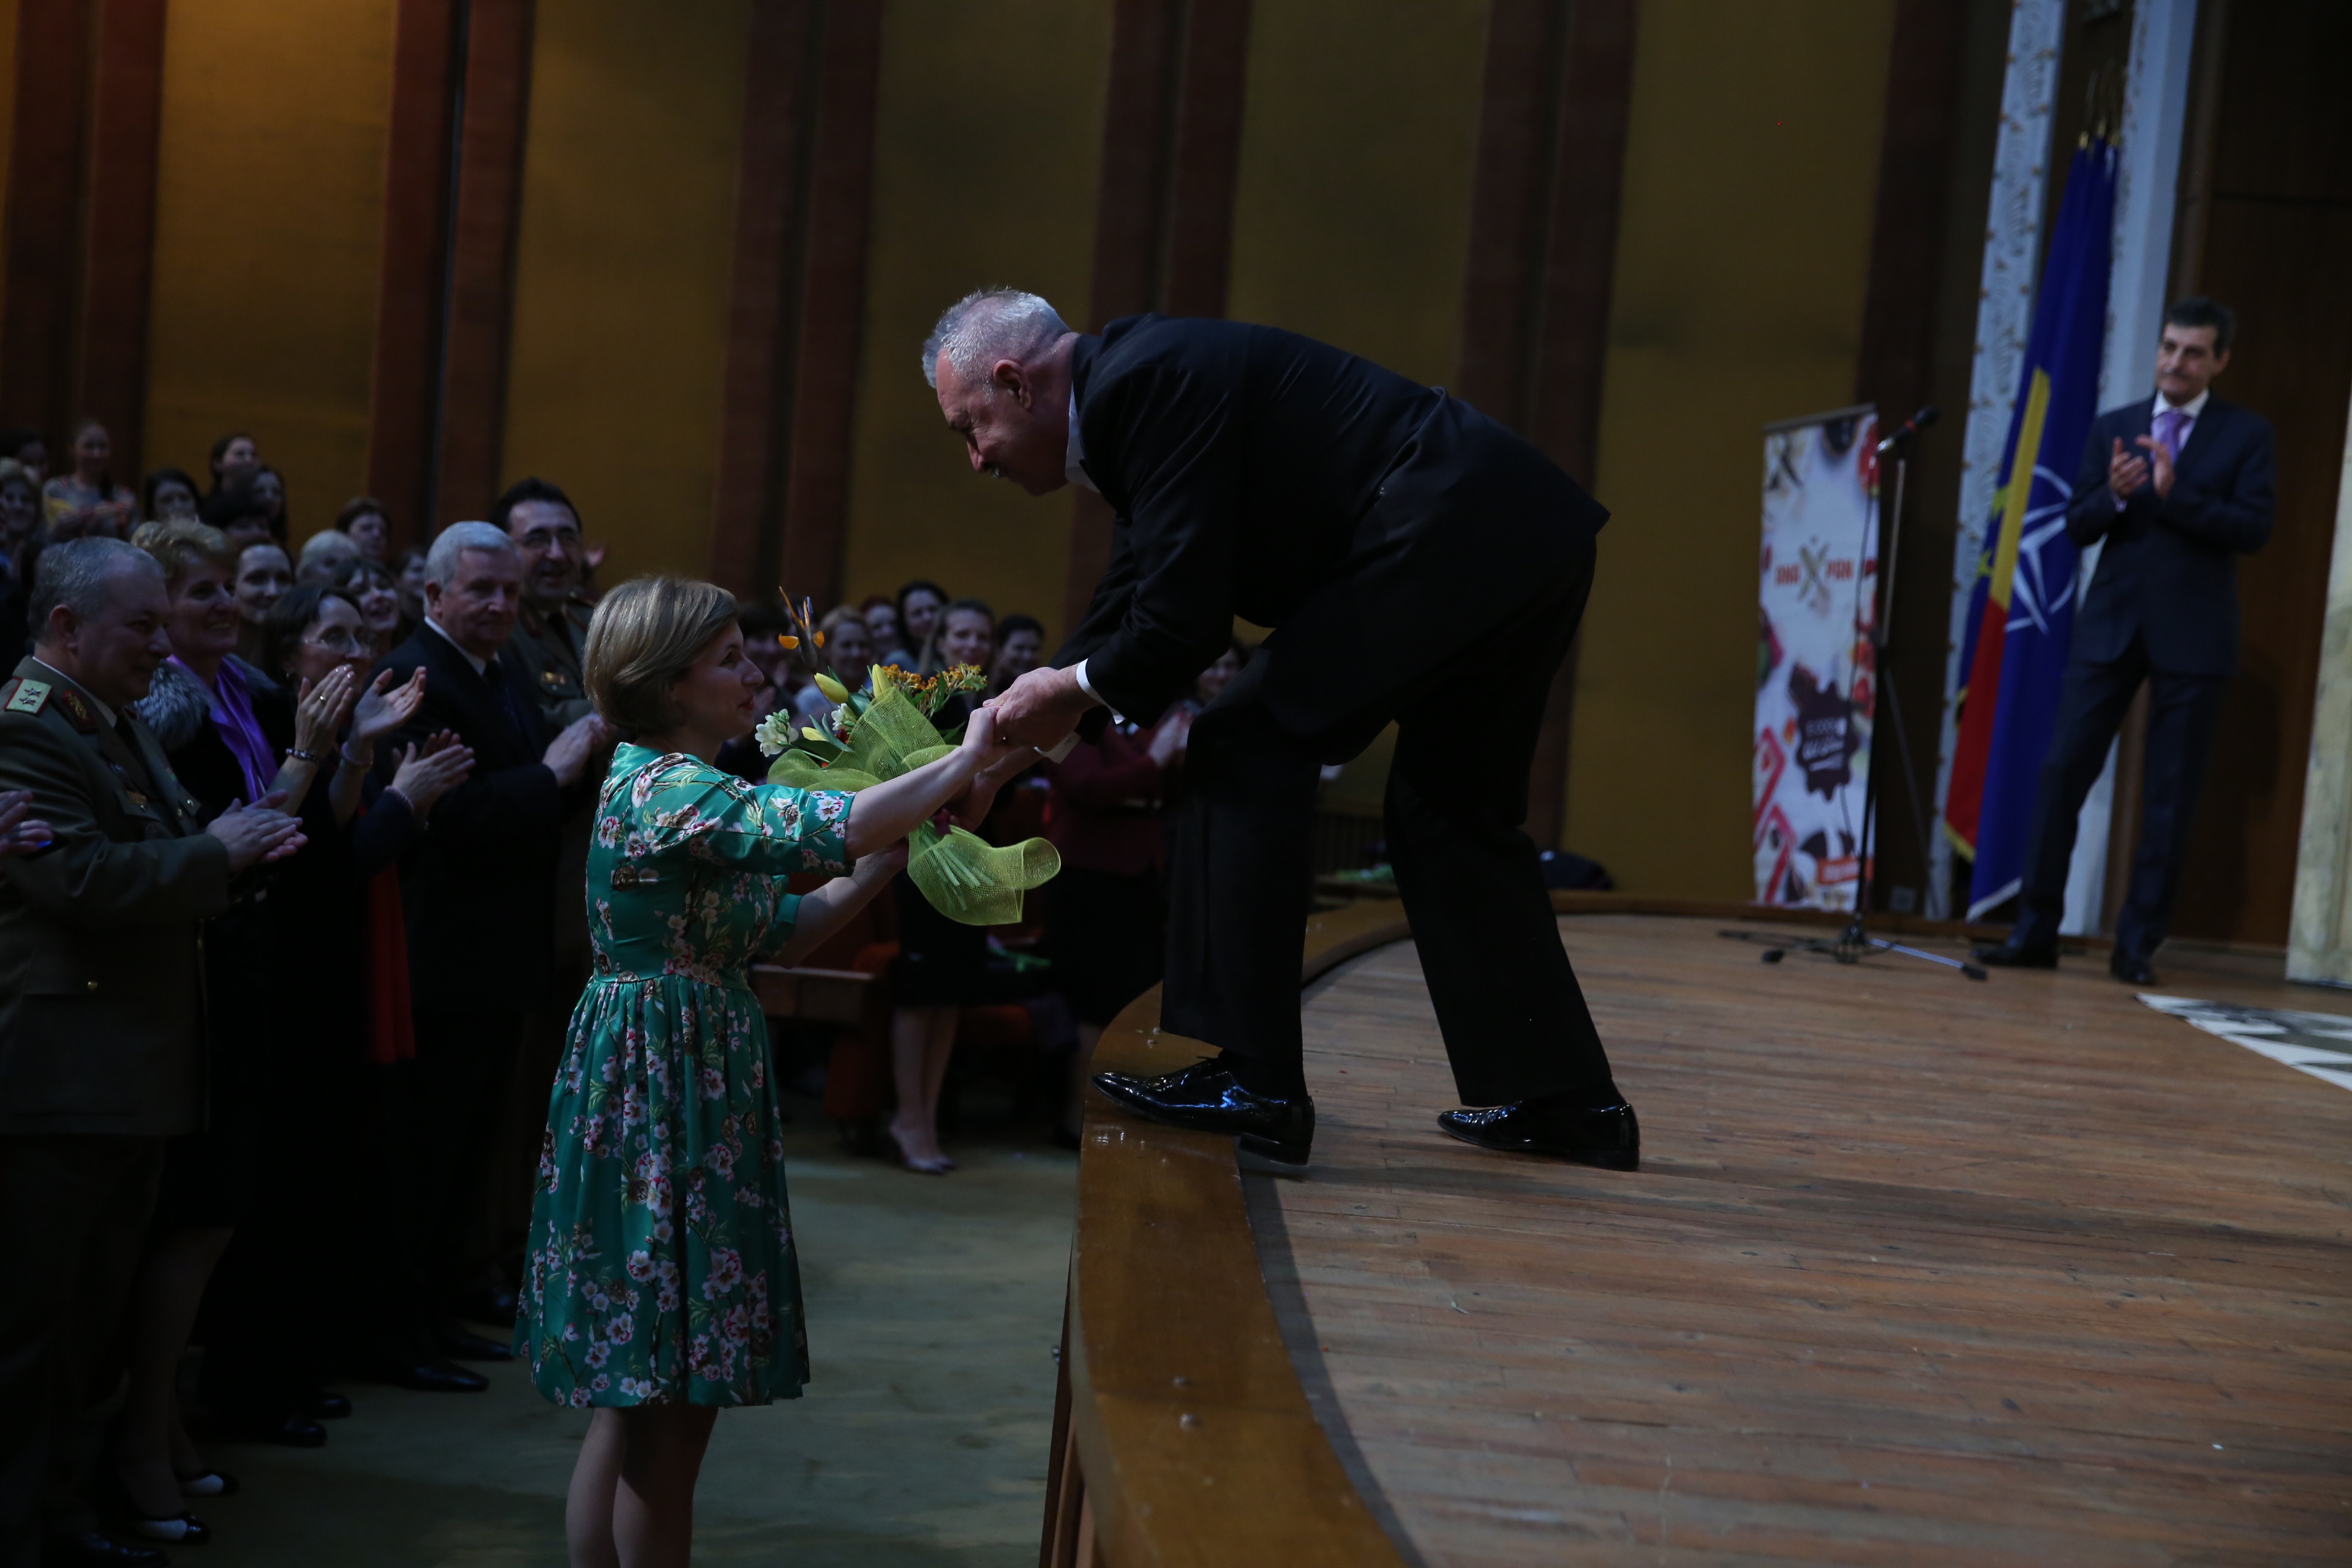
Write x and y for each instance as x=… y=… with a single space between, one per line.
x=2022 y=610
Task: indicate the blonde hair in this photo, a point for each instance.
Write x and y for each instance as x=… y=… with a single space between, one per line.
x=179 y=546
x=644 y=635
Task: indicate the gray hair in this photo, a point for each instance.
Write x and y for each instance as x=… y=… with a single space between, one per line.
x=441 y=563
x=80 y=575
x=988 y=325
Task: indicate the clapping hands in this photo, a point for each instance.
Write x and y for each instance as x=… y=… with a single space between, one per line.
x=20 y=834
x=257 y=834
x=384 y=707
x=426 y=772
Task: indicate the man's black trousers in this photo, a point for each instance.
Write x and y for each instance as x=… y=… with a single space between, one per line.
x=2181 y=712
x=1240 y=879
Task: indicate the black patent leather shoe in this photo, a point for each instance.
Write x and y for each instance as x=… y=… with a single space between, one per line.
x=2009 y=956
x=425 y=1376
x=325 y=1405
x=463 y=1344
x=182 y=1528
x=1207 y=1098
x=96 y=1550
x=2131 y=971
x=1608 y=1136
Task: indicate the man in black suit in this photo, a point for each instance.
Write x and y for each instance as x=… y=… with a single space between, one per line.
x=479 y=894
x=1422 y=565
x=2179 y=487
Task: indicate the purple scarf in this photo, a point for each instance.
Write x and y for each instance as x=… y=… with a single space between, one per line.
x=232 y=717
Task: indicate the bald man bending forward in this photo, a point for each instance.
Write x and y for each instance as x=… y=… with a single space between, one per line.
x=1420 y=564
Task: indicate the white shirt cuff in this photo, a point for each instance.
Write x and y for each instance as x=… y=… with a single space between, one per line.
x=1079 y=671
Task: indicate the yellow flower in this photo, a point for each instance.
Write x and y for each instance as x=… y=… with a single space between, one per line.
x=833 y=689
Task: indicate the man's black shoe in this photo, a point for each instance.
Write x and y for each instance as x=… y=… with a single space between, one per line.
x=1604 y=1135
x=2009 y=956
x=96 y=1550
x=424 y=1376
x=1208 y=1097
x=237 y=1424
x=463 y=1344
x=2129 y=970
x=324 y=1404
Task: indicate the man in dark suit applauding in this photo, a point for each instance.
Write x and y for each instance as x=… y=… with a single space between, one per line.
x=1423 y=565
x=479 y=889
x=2179 y=485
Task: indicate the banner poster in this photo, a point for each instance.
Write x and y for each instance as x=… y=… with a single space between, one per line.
x=1815 y=676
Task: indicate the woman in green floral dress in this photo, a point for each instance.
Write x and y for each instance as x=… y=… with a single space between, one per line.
x=660 y=1283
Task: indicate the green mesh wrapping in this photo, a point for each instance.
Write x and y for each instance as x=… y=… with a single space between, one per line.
x=965 y=878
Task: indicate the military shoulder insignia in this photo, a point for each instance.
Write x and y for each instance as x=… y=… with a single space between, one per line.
x=77 y=710
x=25 y=697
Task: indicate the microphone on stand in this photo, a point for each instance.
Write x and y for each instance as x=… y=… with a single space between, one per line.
x=1926 y=415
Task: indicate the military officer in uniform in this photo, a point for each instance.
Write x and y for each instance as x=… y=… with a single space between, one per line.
x=100 y=912
x=551 y=633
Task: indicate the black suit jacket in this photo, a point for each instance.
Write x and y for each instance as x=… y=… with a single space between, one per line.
x=478 y=882
x=1378 y=524
x=2169 y=573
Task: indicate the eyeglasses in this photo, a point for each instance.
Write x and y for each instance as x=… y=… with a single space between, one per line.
x=335 y=641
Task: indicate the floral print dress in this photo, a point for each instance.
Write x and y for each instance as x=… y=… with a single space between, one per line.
x=659 y=1266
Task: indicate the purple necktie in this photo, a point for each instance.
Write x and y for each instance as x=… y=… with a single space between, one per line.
x=2169 y=426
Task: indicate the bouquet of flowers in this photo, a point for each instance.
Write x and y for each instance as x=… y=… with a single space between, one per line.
x=883 y=732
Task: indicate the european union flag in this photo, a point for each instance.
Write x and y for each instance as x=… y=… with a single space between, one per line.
x=2021 y=612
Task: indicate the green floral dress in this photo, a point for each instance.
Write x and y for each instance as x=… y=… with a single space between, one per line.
x=659 y=1266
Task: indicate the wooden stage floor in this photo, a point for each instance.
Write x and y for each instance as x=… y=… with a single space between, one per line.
x=1916 y=1271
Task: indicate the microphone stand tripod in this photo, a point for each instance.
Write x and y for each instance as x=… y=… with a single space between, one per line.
x=1853 y=942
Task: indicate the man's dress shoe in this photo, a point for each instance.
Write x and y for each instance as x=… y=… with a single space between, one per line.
x=1207 y=1098
x=96 y=1550
x=2131 y=971
x=2009 y=956
x=425 y=1376
x=463 y=1344
x=1604 y=1135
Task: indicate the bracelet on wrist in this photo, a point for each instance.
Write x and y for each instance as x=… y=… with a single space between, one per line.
x=297 y=753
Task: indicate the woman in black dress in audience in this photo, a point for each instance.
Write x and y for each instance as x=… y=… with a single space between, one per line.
x=225 y=727
x=942 y=965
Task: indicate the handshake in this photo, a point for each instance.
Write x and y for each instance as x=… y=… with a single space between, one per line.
x=1005 y=733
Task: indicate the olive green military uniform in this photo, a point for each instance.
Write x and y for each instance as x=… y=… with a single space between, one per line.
x=100 y=1062
x=553 y=648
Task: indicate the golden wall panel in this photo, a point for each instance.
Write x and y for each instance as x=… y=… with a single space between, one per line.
x=621 y=270
x=269 y=215
x=987 y=154
x=7 y=124
x=1351 y=217
x=1352 y=220
x=1741 y=263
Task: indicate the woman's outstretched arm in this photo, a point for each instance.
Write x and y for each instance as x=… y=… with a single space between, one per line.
x=886 y=813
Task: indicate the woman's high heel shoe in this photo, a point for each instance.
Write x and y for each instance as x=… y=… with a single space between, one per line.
x=207 y=1483
x=181 y=1529
x=939 y=1167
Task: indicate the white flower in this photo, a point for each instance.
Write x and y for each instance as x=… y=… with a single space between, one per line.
x=774 y=734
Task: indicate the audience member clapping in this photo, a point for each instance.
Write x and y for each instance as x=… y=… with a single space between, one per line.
x=113 y=912
x=88 y=500
x=364 y=518
x=268 y=487
x=370 y=584
x=1020 y=644
x=168 y=495
x=262 y=575
x=241 y=515
x=918 y=607
x=235 y=460
x=26 y=449
x=323 y=554
x=880 y=614
x=20 y=548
